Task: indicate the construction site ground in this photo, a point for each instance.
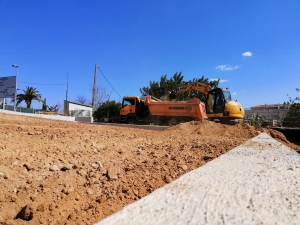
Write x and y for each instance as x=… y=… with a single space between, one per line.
x=58 y=172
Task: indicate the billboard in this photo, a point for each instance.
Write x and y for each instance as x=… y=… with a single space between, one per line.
x=8 y=87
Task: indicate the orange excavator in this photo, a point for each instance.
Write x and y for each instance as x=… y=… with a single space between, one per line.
x=150 y=110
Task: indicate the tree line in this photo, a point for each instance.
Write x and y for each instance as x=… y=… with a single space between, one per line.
x=30 y=94
x=159 y=88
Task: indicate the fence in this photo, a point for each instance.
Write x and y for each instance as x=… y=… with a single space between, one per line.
x=18 y=109
x=258 y=121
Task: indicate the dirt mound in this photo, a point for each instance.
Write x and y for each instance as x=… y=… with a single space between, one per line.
x=55 y=172
x=277 y=135
x=199 y=127
x=209 y=128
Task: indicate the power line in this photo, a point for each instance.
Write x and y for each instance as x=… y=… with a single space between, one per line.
x=109 y=83
x=39 y=83
x=70 y=99
x=67 y=83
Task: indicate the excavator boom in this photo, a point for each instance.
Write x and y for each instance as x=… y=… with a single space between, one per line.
x=204 y=88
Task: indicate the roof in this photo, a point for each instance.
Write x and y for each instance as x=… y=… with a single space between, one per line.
x=76 y=103
x=270 y=106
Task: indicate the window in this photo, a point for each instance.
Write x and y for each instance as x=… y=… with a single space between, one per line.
x=227 y=95
x=128 y=102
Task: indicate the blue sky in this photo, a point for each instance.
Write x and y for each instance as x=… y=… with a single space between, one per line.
x=137 y=41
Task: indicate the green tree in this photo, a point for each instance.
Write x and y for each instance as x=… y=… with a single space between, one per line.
x=292 y=118
x=108 y=111
x=29 y=95
x=160 y=88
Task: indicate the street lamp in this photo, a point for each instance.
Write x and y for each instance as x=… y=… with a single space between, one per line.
x=17 y=67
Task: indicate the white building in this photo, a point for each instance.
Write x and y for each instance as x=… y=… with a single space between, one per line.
x=81 y=112
x=268 y=111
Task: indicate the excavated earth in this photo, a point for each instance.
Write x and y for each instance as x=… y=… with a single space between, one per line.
x=54 y=172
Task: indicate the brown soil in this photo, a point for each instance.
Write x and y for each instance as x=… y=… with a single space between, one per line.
x=54 y=172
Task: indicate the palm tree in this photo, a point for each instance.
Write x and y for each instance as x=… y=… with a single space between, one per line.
x=29 y=94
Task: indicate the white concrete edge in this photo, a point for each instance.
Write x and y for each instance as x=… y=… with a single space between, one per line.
x=255 y=183
x=52 y=117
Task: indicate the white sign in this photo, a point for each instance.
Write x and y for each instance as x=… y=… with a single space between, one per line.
x=8 y=87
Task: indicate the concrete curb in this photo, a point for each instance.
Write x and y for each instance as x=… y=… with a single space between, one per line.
x=255 y=183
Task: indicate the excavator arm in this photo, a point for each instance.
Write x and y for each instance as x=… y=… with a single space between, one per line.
x=197 y=86
x=204 y=88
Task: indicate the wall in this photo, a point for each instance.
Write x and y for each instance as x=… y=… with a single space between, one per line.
x=77 y=110
x=53 y=117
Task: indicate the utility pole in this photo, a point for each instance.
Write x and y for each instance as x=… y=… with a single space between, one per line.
x=15 y=103
x=94 y=87
x=67 y=87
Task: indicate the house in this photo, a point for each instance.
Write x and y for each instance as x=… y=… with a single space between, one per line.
x=82 y=113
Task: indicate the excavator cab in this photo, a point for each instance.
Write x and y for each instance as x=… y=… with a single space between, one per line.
x=227 y=95
x=215 y=101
